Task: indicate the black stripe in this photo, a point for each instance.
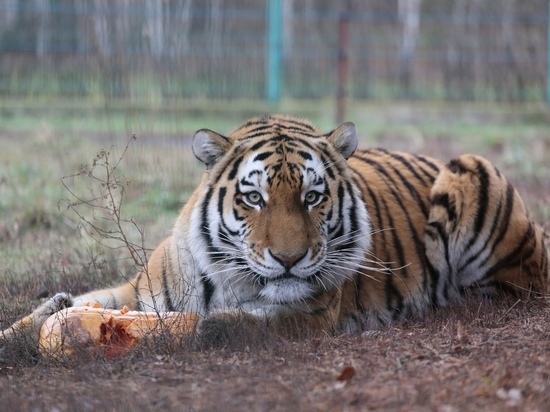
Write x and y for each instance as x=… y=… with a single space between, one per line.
x=114 y=301
x=258 y=145
x=306 y=132
x=380 y=226
x=293 y=140
x=249 y=123
x=269 y=135
x=167 y=298
x=413 y=192
x=221 y=196
x=483 y=198
x=358 y=284
x=316 y=148
x=505 y=222
x=224 y=232
x=235 y=168
x=304 y=125
x=486 y=245
x=328 y=166
x=262 y=156
x=353 y=209
x=483 y=202
x=428 y=163
x=214 y=253
x=440 y=230
x=408 y=165
x=434 y=281
x=339 y=224
x=396 y=241
x=207 y=292
x=261 y=122
x=257 y=130
x=516 y=257
x=352 y=213
x=136 y=291
x=499 y=223
x=394 y=300
x=428 y=173
x=204 y=217
x=280 y=122
x=442 y=233
x=545 y=270
x=442 y=199
x=418 y=243
x=456 y=166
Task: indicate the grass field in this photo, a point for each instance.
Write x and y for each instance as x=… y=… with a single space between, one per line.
x=484 y=356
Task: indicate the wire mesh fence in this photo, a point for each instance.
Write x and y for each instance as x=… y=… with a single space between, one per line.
x=182 y=49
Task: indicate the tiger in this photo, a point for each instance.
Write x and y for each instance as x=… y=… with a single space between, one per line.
x=299 y=230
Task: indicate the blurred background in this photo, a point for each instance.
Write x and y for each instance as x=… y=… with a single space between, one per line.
x=167 y=52
x=434 y=76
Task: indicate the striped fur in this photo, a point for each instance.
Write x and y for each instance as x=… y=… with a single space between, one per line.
x=293 y=225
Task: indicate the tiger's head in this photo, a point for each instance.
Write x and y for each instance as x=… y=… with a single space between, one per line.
x=279 y=219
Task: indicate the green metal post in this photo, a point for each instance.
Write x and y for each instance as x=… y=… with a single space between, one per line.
x=274 y=43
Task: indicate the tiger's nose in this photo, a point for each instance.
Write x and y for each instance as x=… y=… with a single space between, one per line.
x=287 y=260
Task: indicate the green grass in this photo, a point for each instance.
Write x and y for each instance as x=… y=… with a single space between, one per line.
x=168 y=116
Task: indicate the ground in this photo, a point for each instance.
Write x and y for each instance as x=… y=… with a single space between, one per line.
x=480 y=354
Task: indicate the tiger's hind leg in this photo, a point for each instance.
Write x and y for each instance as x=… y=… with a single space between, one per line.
x=479 y=234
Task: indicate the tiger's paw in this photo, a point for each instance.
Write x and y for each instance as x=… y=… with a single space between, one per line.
x=19 y=342
x=234 y=331
x=30 y=325
x=56 y=303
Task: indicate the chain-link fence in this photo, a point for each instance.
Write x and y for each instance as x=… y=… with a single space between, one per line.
x=179 y=49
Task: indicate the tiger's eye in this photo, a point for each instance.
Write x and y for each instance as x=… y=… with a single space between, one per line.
x=254 y=198
x=312 y=197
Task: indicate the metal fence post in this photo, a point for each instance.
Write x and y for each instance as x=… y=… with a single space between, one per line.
x=274 y=43
x=342 y=71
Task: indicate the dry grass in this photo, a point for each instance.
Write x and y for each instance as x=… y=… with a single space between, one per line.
x=482 y=355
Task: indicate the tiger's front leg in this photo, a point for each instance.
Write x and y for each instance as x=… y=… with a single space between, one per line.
x=30 y=325
x=239 y=328
x=231 y=330
x=111 y=298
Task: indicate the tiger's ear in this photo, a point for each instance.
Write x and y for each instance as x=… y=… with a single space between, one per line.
x=209 y=146
x=344 y=139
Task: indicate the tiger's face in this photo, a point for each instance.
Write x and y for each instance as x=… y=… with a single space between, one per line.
x=281 y=220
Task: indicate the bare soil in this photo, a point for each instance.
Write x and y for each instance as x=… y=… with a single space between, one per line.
x=481 y=355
